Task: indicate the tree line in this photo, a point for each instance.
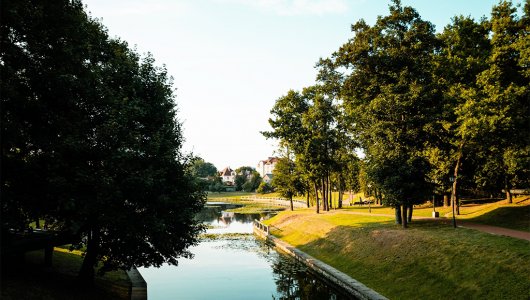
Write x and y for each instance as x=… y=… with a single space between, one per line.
x=91 y=142
x=407 y=113
x=207 y=176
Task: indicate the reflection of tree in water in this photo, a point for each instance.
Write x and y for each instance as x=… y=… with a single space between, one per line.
x=294 y=281
x=208 y=214
x=212 y=212
x=216 y=211
x=247 y=218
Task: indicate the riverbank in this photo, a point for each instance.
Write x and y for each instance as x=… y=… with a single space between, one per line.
x=335 y=277
x=30 y=279
x=429 y=260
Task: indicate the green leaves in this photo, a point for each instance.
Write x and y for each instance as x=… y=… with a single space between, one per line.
x=91 y=134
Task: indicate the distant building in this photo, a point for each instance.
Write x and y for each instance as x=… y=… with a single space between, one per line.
x=267 y=178
x=265 y=168
x=228 y=176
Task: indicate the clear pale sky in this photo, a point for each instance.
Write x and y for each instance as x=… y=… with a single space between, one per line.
x=231 y=59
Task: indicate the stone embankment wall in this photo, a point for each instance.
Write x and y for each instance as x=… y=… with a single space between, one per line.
x=138 y=290
x=331 y=274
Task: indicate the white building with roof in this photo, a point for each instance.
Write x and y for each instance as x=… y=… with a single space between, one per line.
x=265 y=168
x=228 y=176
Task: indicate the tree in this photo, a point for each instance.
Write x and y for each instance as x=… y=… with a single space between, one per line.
x=204 y=173
x=502 y=103
x=244 y=174
x=462 y=56
x=93 y=129
x=203 y=169
x=264 y=188
x=391 y=96
x=285 y=180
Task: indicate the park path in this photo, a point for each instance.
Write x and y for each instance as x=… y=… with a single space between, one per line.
x=523 y=235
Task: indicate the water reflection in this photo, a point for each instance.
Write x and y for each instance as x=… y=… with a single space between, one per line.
x=294 y=281
x=220 y=221
x=240 y=267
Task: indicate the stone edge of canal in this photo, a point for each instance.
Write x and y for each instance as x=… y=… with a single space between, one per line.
x=350 y=285
x=138 y=287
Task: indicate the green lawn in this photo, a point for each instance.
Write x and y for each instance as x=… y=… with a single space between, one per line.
x=213 y=196
x=31 y=280
x=514 y=216
x=430 y=260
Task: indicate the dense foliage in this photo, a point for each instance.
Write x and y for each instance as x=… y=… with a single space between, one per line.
x=421 y=108
x=90 y=140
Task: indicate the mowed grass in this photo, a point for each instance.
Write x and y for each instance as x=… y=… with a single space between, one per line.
x=514 y=216
x=430 y=260
x=31 y=280
x=255 y=208
x=213 y=196
x=249 y=207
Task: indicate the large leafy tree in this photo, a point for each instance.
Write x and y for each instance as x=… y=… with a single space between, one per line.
x=91 y=140
x=286 y=180
x=498 y=113
x=463 y=53
x=203 y=169
x=391 y=97
x=205 y=173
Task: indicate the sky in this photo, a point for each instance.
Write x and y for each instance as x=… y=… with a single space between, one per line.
x=231 y=59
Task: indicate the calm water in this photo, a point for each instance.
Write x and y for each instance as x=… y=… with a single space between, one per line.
x=240 y=267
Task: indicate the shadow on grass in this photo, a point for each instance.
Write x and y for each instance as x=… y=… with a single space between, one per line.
x=29 y=278
x=513 y=217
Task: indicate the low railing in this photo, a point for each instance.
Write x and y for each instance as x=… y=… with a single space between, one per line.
x=261 y=226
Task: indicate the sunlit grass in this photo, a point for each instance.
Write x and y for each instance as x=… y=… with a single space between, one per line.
x=233 y=195
x=430 y=260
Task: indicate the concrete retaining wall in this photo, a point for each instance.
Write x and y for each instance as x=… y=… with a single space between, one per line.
x=138 y=290
x=335 y=276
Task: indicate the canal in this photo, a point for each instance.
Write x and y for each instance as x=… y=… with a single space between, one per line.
x=230 y=263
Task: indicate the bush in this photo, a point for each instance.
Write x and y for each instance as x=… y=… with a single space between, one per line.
x=264 y=188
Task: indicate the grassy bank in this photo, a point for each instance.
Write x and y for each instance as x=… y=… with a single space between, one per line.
x=31 y=280
x=249 y=207
x=430 y=260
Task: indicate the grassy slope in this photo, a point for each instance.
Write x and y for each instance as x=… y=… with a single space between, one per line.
x=33 y=281
x=429 y=260
x=249 y=207
x=513 y=216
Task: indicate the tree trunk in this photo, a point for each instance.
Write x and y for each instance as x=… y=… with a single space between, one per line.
x=377 y=196
x=509 y=196
x=340 y=197
x=324 y=195
x=291 y=200
x=455 y=182
x=507 y=189
x=398 y=214
x=307 y=199
x=409 y=214
x=37 y=222
x=404 y=216
x=330 y=189
x=316 y=197
x=86 y=274
x=446 y=200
